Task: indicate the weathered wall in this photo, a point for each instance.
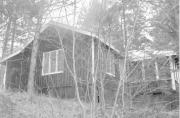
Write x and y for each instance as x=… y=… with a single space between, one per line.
x=62 y=84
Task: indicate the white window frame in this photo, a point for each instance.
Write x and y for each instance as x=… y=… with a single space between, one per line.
x=49 y=68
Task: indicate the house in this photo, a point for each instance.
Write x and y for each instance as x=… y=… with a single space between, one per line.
x=54 y=69
x=157 y=65
x=158 y=78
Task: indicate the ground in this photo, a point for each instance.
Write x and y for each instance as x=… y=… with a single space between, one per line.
x=19 y=105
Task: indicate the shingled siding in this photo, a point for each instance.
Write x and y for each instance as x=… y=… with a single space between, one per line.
x=62 y=84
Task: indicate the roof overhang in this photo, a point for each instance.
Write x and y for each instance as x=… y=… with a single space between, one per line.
x=60 y=25
x=139 y=55
x=16 y=53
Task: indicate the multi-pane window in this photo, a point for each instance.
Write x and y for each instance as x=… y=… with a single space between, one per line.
x=53 y=62
x=110 y=68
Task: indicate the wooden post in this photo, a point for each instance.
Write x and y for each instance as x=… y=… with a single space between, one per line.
x=176 y=72
x=93 y=79
x=143 y=70
x=157 y=70
x=92 y=51
x=4 y=78
x=172 y=73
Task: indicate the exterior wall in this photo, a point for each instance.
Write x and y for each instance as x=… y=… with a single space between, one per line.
x=150 y=69
x=62 y=84
x=105 y=80
x=18 y=71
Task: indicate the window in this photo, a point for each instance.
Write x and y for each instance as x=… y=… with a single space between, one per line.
x=110 y=68
x=53 y=62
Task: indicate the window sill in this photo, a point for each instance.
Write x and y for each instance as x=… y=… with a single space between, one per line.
x=110 y=74
x=53 y=73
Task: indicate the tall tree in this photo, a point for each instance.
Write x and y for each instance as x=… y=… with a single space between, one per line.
x=40 y=6
x=109 y=16
x=166 y=25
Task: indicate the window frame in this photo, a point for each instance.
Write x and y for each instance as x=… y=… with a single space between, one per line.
x=49 y=65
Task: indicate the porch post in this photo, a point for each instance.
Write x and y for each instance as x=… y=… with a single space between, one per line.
x=172 y=73
x=4 y=78
x=143 y=67
x=157 y=70
x=93 y=78
x=143 y=70
x=92 y=52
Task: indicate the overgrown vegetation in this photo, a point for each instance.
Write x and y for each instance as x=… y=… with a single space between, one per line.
x=18 y=105
x=142 y=25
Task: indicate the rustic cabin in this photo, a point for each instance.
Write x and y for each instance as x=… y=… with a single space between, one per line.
x=155 y=79
x=54 y=69
x=162 y=65
x=94 y=55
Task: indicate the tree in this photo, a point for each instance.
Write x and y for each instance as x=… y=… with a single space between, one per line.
x=123 y=23
x=11 y=11
x=166 y=25
x=109 y=17
x=39 y=15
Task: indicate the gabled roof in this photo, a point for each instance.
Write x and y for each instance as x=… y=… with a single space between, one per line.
x=56 y=24
x=16 y=53
x=138 y=55
x=60 y=25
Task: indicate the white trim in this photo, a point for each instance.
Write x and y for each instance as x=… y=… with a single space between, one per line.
x=49 y=66
x=108 y=73
x=53 y=73
x=172 y=74
x=156 y=70
x=5 y=74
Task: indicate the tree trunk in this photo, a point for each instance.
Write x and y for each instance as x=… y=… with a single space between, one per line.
x=13 y=35
x=4 y=48
x=123 y=75
x=6 y=38
x=35 y=48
